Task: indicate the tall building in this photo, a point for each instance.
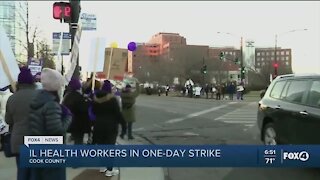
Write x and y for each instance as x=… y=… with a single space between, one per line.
x=265 y=59
x=13 y=15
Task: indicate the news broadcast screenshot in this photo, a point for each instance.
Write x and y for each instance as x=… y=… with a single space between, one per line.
x=159 y=90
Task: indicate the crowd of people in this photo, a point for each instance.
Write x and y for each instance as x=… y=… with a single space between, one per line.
x=40 y=107
x=217 y=91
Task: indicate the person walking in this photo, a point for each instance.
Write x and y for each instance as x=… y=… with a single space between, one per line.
x=207 y=89
x=219 y=91
x=16 y=116
x=167 y=89
x=49 y=118
x=78 y=106
x=107 y=118
x=128 y=103
x=240 y=90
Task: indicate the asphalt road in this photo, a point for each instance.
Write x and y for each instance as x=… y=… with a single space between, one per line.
x=177 y=120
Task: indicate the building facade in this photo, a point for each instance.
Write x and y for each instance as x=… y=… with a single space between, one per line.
x=265 y=59
x=13 y=15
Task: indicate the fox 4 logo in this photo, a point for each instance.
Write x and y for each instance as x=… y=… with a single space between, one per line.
x=301 y=156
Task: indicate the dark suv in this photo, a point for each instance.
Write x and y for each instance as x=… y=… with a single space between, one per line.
x=289 y=112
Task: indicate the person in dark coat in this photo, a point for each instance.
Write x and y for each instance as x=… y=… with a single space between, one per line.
x=128 y=97
x=17 y=111
x=107 y=119
x=78 y=106
x=49 y=118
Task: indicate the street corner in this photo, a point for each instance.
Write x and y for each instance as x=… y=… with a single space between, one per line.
x=94 y=174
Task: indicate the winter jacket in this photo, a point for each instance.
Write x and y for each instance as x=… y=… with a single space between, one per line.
x=128 y=107
x=17 y=111
x=108 y=117
x=46 y=116
x=78 y=106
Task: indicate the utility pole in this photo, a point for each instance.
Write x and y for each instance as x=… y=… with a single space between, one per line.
x=75 y=6
x=275 y=57
x=241 y=60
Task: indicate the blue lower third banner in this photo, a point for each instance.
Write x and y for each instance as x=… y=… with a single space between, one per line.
x=169 y=156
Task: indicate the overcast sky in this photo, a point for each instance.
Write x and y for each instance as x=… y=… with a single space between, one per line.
x=199 y=22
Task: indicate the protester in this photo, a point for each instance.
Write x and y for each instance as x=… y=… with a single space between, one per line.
x=17 y=111
x=78 y=106
x=128 y=97
x=240 y=90
x=37 y=79
x=49 y=118
x=107 y=117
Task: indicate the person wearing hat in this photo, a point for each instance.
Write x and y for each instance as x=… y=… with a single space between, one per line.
x=128 y=97
x=108 y=117
x=78 y=106
x=16 y=116
x=49 y=118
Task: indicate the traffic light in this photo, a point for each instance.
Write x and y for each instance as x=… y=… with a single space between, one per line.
x=275 y=65
x=62 y=11
x=204 y=69
x=221 y=55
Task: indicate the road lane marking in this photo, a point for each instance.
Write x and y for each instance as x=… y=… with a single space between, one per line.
x=198 y=113
x=238 y=122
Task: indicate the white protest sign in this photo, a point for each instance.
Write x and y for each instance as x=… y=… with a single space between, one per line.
x=88 y=21
x=42 y=140
x=96 y=58
x=9 y=69
x=74 y=54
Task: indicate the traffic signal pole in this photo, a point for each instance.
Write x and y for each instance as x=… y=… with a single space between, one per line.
x=75 y=6
x=275 y=56
x=241 y=60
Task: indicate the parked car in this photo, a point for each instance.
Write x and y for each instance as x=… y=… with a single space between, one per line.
x=289 y=112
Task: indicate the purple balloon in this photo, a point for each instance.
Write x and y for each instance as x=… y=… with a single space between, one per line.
x=132 y=46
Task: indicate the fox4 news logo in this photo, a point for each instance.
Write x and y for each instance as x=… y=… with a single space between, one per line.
x=301 y=156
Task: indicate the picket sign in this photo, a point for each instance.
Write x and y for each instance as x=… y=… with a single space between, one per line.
x=9 y=69
x=74 y=54
x=7 y=72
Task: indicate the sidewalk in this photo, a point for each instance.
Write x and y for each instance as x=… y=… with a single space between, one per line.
x=8 y=170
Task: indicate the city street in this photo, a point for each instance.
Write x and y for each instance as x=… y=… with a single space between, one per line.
x=177 y=120
x=181 y=120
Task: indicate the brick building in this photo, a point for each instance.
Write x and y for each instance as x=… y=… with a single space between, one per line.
x=265 y=59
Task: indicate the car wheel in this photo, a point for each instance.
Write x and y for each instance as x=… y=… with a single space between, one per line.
x=269 y=134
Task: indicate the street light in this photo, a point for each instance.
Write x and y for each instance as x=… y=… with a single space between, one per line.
x=275 y=48
x=241 y=53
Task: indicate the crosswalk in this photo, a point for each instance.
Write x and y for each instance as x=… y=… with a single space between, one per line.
x=246 y=116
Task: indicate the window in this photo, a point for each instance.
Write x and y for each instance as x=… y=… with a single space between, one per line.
x=258 y=54
x=287 y=63
x=282 y=52
x=282 y=58
x=263 y=64
x=272 y=58
x=277 y=89
x=287 y=52
x=262 y=54
x=314 y=95
x=258 y=64
x=296 y=91
x=287 y=58
x=262 y=59
x=272 y=53
x=258 y=59
x=267 y=53
x=278 y=53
